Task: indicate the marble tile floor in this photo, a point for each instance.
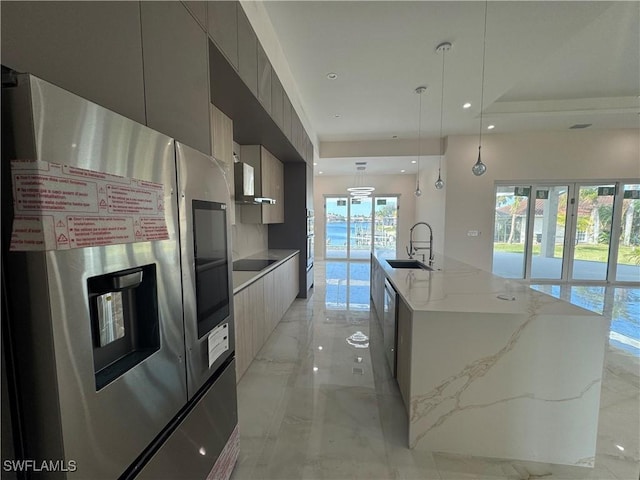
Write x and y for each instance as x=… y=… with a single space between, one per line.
x=318 y=402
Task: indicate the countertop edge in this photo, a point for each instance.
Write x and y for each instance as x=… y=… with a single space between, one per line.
x=271 y=253
x=556 y=305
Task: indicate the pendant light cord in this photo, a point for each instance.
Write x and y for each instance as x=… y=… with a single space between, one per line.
x=419 y=129
x=484 y=49
x=444 y=52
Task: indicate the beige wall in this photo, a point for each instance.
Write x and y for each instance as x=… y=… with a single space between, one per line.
x=402 y=185
x=430 y=206
x=528 y=156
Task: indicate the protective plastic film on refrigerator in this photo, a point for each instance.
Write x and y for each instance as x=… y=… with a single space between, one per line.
x=100 y=376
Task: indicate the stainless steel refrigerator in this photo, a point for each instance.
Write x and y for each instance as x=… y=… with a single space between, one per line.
x=108 y=377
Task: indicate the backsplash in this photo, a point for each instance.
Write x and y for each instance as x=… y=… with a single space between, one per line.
x=247 y=239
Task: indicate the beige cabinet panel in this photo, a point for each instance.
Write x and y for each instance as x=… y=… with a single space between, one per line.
x=249 y=311
x=259 y=308
x=222 y=146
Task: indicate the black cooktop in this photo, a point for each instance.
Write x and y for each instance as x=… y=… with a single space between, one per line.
x=251 y=264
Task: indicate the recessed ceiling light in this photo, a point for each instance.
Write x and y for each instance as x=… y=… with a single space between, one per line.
x=320 y=173
x=466 y=105
x=491 y=127
x=402 y=171
x=315 y=369
x=315 y=163
x=413 y=161
x=332 y=76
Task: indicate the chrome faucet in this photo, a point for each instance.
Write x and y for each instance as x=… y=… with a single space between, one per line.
x=412 y=249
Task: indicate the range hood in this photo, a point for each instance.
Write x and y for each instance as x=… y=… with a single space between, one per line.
x=244 y=181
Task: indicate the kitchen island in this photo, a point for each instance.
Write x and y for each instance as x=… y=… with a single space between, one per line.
x=489 y=367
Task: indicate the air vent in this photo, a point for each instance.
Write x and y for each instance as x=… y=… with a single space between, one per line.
x=361 y=163
x=361 y=168
x=578 y=126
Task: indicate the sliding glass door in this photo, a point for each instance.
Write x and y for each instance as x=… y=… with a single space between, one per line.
x=547 y=249
x=628 y=255
x=594 y=215
x=337 y=226
x=360 y=217
x=584 y=232
x=354 y=226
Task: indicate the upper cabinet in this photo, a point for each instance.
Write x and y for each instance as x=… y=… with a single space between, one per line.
x=277 y=100
x=287 y=109
x=222 y=25
x=199 y=10
x=222 y=146
x=269 y=183
x=74 y=45
x=247 y=52
x=176 y=73
x=264 y=79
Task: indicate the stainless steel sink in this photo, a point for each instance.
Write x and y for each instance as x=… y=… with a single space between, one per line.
x=408 y=264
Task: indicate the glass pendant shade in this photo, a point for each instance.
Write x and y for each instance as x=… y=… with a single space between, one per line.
x=418 y=192
x=439 y=183
x=479 y=168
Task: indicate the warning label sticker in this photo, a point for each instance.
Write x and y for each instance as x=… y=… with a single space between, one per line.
x=59 y=207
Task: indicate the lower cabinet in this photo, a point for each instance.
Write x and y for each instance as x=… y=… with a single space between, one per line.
x=249 y=310
x=260 y=307
x=403 y=352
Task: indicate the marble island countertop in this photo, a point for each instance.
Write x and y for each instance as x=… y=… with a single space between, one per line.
x=476 y=373
x=242 y=279
x=454 y=286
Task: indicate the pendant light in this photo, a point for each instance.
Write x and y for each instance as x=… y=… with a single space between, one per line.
x=444 y=47
x=419 y=90
x=479 y=168
x=359 y=188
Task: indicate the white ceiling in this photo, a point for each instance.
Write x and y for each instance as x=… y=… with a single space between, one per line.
x=549 y=65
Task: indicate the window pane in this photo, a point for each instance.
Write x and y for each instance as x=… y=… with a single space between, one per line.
x=628 y=268
x=386 y=225
x=360 y=221
x=548 y=232
x=336 y=227
x=593 y=232
x=511 y=214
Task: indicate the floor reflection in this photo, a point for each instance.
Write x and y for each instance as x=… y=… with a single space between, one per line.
x=319 y=401
x=347 y=285
x=620 y=304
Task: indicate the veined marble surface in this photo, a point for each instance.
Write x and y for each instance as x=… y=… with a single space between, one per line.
x=313 y=406
x=505 y=379
x=457 y=287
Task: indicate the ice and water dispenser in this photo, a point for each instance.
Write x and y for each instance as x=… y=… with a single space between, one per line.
x=124 y=320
